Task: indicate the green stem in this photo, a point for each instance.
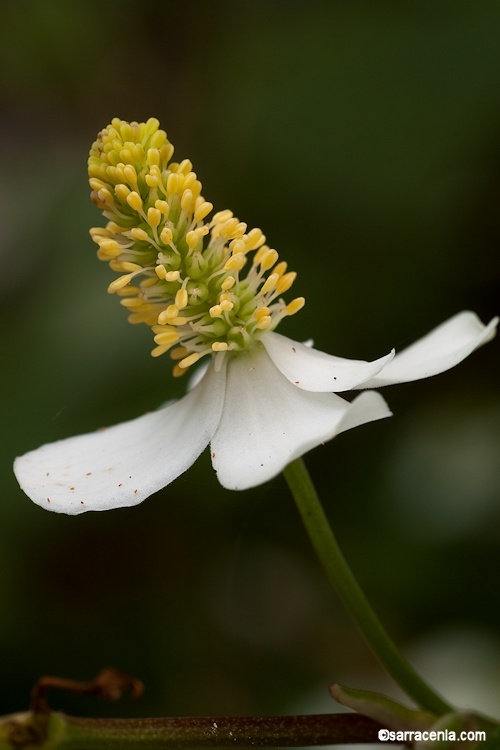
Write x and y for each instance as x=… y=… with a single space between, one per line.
x=350 y=593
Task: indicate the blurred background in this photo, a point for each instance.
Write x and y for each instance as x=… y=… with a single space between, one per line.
x=364 y=139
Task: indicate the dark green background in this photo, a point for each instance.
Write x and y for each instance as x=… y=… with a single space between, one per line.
x=364 y=138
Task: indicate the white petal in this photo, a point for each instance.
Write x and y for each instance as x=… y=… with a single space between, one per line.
x=441 y=349
x=313 y=370
x=124 y=464
x=268 y=422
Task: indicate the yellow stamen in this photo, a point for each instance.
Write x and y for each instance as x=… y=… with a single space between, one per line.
x=178 y=321
x=177 y=371
x=96 y=232
x=134 y=200
x=270 y=283
x=264 y=322
x=192 y=239
x=220 y=346
x=131 y=175
x=295 y=305
x=115 y=228
x=166 y=316
x=119 y=283
x=122 y=192
x=268 y=260
x=202 y=210
x=154 y=217
x=105 y=196
x=173 y=182
x=235 y=262
x=179 y=352
x=166 y=337
x=188 y=361
x=232 y=228
x=128 y=291
x=110 y=249
x=153 y=179
x=181 y=299
x=187 y=200
x=261 y=312
x=240 y=229
x=286 y=282
x=260 y=254
x=132 y=302
x=166 y=235
x=124 y=266
x=162 y=206
x=142 y=317
x=189 y=181
x=159 y=137
x=159 y=350
x=222 y=216
x=172 y=276
x=153 y=157
x=139 y=234
x=228 y=283
x=254 y=239
x=96 y=184
x=238 y=246
x=166 y=153
x=185 y=166
x=280 y=268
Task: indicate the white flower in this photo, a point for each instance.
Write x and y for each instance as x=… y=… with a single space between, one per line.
x=263 y=400
x=262 y=408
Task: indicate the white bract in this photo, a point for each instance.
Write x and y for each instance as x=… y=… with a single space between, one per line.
x=263 y=400
x=262 y=409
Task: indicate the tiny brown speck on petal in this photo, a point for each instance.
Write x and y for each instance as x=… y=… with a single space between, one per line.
x=48 y=499
x=72 y=489
x=135 y=492
x=120 y=484
x=89 y=473
x=294 y=349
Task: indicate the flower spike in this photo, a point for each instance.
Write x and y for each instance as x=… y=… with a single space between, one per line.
x=158 y=229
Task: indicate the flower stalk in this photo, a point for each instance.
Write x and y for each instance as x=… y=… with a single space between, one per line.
x=351 y=594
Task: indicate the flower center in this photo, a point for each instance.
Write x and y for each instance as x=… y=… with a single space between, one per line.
x=187 y=277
